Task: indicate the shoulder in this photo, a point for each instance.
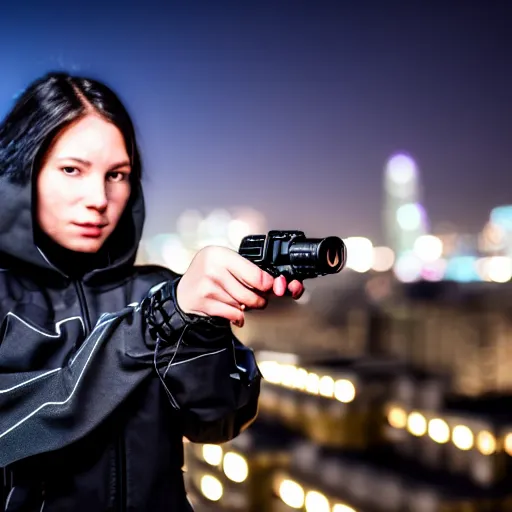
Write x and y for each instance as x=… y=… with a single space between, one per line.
x=24 y=297
x=15 y=285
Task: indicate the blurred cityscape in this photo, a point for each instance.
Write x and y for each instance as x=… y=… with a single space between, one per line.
x=386 y=387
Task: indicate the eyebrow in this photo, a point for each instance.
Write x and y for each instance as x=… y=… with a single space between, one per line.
x=86 y=163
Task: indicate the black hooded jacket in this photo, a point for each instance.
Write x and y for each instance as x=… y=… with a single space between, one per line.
x=101 y=374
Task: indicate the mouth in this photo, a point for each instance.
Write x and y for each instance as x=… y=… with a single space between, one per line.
x=90 y=229
x=90 y=224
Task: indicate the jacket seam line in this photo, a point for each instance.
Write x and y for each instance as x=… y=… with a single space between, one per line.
x=41 y=407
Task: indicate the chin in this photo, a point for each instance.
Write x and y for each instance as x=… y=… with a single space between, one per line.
x=86 y=245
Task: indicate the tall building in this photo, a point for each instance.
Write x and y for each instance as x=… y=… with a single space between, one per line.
x=501 y=219
x=404 y=216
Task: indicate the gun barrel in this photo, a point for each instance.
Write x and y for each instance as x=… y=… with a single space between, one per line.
x=292 y=254
x=325 y=256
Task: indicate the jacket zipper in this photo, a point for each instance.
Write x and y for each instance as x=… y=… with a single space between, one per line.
x=120 y=455
x=83 y=307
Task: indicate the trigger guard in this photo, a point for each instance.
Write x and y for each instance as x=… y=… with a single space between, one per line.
x=285 y=271
x=274 y=272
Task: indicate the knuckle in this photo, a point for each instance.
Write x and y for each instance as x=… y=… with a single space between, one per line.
x=213 y=263
x=262 y=303
x=213 y=275
x=251 y=303
x=260 y=278
x=209 y=268
x=209 y=293
x=267 y=281
x=213 y=271
x=206 y=289
x=254 y=301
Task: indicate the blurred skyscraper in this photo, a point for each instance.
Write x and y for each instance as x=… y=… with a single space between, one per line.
x=501 y=220
x=404 y=217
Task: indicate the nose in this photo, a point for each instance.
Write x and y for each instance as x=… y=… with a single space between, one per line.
x=96 y=195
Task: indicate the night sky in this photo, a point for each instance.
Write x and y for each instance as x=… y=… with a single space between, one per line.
x=292 y=107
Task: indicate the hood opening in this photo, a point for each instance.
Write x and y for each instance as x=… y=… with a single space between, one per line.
x=23 y=243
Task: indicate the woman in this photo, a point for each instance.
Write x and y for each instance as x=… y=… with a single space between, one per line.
x=104 y=365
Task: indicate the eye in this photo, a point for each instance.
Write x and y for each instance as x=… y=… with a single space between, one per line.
x=70 y=171
x=117 y=176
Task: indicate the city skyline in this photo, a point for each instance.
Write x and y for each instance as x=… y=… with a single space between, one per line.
x=293 y=109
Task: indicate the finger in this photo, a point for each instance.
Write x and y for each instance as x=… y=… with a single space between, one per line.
x=280 y=286
x=223 y=310
x=218 y=293
x=240 y=293
x=296 y=288
x=248 y=273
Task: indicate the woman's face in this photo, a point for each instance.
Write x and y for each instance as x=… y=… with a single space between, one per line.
x=83 y=185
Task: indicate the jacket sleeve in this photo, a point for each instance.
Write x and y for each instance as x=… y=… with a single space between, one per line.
x=44 y=410
x=208 y=374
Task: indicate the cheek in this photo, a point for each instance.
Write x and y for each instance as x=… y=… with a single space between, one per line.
x=50 y=216
x=52 y=201
x=118 y=202
x=52 y=205
x=45 y=206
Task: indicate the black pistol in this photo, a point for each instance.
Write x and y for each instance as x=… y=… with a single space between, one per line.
x=291 y=254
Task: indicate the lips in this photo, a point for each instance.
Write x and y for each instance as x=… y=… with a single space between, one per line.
x=90 y=224
x=90 y=229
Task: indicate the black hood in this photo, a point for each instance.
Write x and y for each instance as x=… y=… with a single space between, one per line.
x=21 y=243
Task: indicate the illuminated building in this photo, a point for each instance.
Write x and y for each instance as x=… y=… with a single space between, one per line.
x=474 y=444
x=404 y=217
x=237 y=476
x=453 y=335
x=350 y=435
x=501 y=218
x=332 y=402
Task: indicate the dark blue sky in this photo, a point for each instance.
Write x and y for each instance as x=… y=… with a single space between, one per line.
x=292 y=107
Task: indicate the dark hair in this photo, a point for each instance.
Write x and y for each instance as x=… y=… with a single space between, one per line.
x=48 y=105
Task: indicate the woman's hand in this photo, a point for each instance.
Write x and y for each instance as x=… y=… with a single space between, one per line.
x=219 y=282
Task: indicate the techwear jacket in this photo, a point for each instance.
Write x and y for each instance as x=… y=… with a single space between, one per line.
x=101 y=375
